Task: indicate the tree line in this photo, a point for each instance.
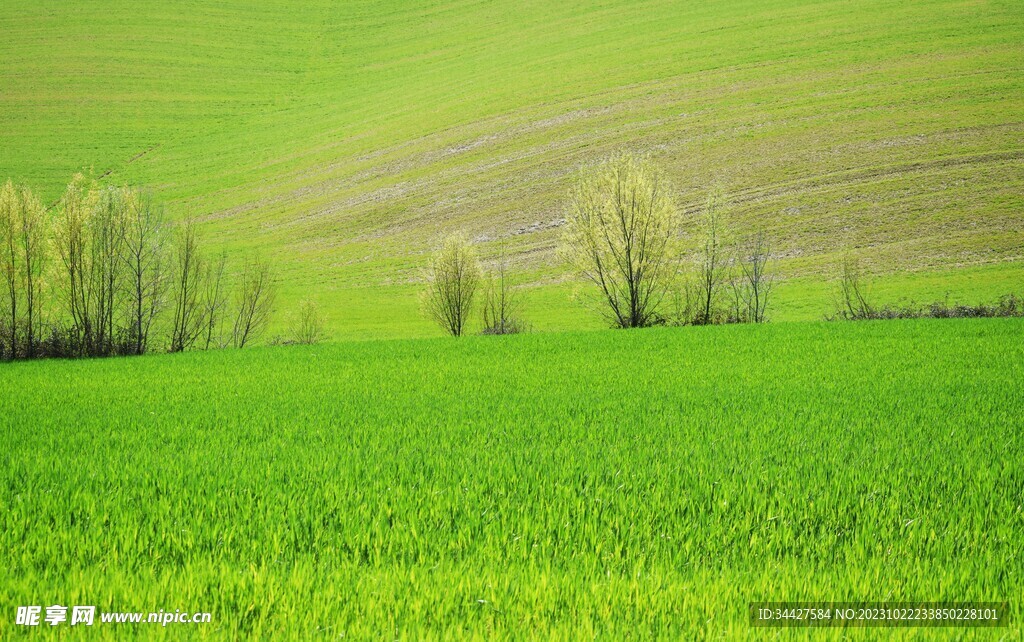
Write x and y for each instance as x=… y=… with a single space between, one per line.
x=104 y=272
x=624 y=237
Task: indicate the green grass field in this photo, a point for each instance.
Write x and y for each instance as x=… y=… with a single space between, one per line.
x=346 y=139
x=618 y=484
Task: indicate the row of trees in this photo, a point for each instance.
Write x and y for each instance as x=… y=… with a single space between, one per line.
x=104 y=272
x=625 y=237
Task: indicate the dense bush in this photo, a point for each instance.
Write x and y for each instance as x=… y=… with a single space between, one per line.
x=1008 y=305
x=854 y=302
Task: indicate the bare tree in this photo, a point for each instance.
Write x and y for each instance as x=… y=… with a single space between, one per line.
x=215 y=304
x=751 y=282
x=308 y=327
x=452 y=283
x=501 y=302
x=621 y=236
x=146 y=260
x=853 y=300
x=188 y=322
x=255 y=302
x=760 y=281
x=712 y=266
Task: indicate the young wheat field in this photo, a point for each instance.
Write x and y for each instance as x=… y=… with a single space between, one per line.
x=617 y=484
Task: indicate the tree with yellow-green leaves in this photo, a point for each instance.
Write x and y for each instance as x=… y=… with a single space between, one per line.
x=90 y=238
x=622 y=237
x=120 y=272
x=23 y=253
x=452 y=282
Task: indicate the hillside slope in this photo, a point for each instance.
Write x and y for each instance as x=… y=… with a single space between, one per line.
x=347 y=138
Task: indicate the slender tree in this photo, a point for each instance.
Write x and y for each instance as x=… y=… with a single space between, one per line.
x=188 y=321
x=108 y=275
x=34 y=250
x=452 y=284
x=758 y=279
x=501 y=304
x=145 y=256
x=71 y=239
x=23 y=236
x=215 y=303
x=10 y=265
x=712 y=266
x=255 y=300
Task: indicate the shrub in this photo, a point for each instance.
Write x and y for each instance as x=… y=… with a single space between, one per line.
x=1008 y=305
x=308 y=326
x=852 y=298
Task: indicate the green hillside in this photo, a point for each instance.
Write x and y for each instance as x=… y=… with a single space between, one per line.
x=346 y=138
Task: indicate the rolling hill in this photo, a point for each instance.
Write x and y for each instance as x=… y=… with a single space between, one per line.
x=345 y=139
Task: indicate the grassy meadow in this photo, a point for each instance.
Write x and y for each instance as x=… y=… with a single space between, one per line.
x=345 y=139
x=617 y=484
